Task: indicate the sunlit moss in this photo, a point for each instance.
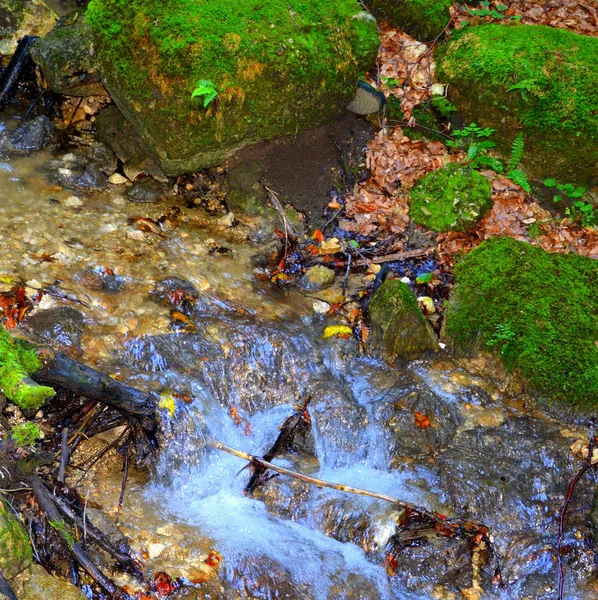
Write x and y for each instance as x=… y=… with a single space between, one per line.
x=538 y=310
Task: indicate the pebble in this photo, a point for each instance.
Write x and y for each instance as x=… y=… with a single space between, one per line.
x=154 y=550
x=117 y=179
x=73 y=201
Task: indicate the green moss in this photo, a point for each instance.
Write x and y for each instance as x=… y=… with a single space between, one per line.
x=538 y=309
x=15 y=550
x=26 y=434
x=453 y=198
x=17 y=362
x=279 y=66
x=421 y=19
x=534 y=78
x=399 y=329
x=443 y=106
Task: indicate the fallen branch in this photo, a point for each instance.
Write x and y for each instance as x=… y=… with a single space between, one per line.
x=396 y=256
x=443 y=524
x=288 y=430
x=5 y=588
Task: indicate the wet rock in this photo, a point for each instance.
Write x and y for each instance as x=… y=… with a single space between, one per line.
x=60 y=327
x=511 y=477
x=407 y=440
x=115 y=131
x=399 y=329
x=29 y=137
x=103 y=158
x=368 y=100
x=73 y=173
x=317 y=278
x=146 y=191
x=417 y=239
x=64 y=56
x=15 y=550
x=37 y=583
x=101 y=279
x=22 y=17
x=257 y=105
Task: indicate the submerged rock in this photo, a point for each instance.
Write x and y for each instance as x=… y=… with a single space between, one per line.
x=22 y=17
x=146 y=191
x=200 y=79
x=60 y=327
x=318 y=277
x=29 y=137
x=15 y=550
x=538 y=310
x=64 y=56
x=452 y=198
x=548 y=79
x=399 y=329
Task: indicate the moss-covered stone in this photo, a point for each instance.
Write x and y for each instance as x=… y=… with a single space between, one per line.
x=531 y=78
x=278 y=66
x=64 y=56
x=453 y=198
x=539 y=310
x=22 y=17
x=399 y=329
x=15 y=550
x=36 y=583
x=421 y=19
x=17 y=362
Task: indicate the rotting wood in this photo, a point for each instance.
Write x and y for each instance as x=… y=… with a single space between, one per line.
x=18 y=64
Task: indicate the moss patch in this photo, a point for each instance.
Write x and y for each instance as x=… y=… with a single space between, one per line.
x=453 y=198
x=539 y=310
x=399 y=329
x=17 y=362
x=26 y=434
x=279 y=66
x=15 y=551
x=534 y=78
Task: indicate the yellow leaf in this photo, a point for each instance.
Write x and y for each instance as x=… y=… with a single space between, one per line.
x=167 y=402
x=338 y=331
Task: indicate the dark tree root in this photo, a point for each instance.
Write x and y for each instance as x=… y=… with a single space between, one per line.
x=138 y=407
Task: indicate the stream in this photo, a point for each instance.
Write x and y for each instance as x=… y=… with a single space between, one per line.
x=244 y=356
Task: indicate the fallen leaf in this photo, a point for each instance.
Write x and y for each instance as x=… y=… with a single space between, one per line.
x=421 y=421
x=342 y=331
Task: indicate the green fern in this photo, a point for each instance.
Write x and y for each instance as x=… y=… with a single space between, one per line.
x=517 y=149
x=520 y=178
x=205 y=89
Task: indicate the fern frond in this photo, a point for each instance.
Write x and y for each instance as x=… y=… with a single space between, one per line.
x=520 y=178
x=517 y=149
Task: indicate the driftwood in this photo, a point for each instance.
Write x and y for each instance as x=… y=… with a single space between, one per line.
x=52 y=513
x=18 y=64
x=138 y=407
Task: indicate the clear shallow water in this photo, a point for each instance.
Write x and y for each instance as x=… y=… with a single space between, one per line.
x=253 y=354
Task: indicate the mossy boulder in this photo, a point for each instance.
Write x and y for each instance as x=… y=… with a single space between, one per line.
x=399 y=329
x=64 y=56
x=18 y=361
x=267 y=68
x=15 y=550
x=22 y=17
x=538 y=310
x=452 y=198
x=421 y=19
x=535 y=79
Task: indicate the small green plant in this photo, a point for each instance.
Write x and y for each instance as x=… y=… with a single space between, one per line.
x=498 y=12
x=502 y=336
x=582 y=211
x=205 y=89
x=444 y=106
x=475 y=139
x=65 y=530
x=26 y=434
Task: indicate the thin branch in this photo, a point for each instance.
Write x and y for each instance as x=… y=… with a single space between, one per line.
x=446 y=525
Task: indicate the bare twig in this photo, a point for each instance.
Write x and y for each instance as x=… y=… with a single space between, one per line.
x=396 y=256
x=585 y=467
x=64 y=454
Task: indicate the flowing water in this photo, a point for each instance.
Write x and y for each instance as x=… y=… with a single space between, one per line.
x=248 y=354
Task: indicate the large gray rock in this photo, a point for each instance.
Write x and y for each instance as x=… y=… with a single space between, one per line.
x=64 y=56
x=22 y=17
x=258 y=71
